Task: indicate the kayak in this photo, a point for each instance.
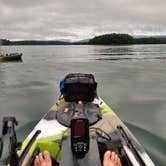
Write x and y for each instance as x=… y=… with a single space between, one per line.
x=50 y=133
x=78 y=129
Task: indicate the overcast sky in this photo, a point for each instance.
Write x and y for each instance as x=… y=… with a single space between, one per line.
x=80 y=19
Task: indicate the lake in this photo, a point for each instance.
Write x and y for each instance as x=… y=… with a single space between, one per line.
x=131 y=79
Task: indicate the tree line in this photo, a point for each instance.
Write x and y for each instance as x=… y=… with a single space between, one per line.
x=33 y=42
x=119 y=39
x=106 y=39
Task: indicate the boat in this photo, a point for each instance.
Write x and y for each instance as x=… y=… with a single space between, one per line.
x=10 y=57
x=76 y=132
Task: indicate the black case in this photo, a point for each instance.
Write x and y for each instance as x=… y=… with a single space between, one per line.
x=78 y=86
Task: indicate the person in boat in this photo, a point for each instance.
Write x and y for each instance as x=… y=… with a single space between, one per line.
x=1 y=54
x=110 y=159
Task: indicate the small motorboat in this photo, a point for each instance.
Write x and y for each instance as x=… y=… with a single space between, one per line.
x=10 y=57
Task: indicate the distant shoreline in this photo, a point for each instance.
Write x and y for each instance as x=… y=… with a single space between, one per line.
x=106 y=39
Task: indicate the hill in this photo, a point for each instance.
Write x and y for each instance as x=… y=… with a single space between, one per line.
x=112 y=39
x=121 y=39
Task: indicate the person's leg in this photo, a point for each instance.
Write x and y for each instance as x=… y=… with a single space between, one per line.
x=43 y=159
x=111 y=159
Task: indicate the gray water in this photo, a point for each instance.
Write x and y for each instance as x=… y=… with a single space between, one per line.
x=131 y=79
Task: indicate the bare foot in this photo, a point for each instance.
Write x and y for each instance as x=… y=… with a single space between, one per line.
x=111 y=159
x=43 y=159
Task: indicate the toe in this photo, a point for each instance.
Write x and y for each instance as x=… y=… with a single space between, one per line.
x=46 y=155
x=116 y=158
x=106 y=160
x=40 y=157
x=113 y=156
x=107 y=155
x=37 y=162
x=118 y=162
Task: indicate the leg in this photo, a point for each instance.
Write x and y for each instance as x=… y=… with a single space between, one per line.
x=111 y=159
x=43 y=159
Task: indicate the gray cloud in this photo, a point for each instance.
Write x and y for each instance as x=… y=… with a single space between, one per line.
x=77 y=19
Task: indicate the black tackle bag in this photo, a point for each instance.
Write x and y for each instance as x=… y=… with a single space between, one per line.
x=78 y=86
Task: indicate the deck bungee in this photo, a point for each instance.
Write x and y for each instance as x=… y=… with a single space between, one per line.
x=106 y=132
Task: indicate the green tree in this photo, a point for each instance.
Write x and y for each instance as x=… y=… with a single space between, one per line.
x=112 y=39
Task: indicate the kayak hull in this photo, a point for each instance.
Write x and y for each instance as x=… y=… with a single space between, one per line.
x=52 y=133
